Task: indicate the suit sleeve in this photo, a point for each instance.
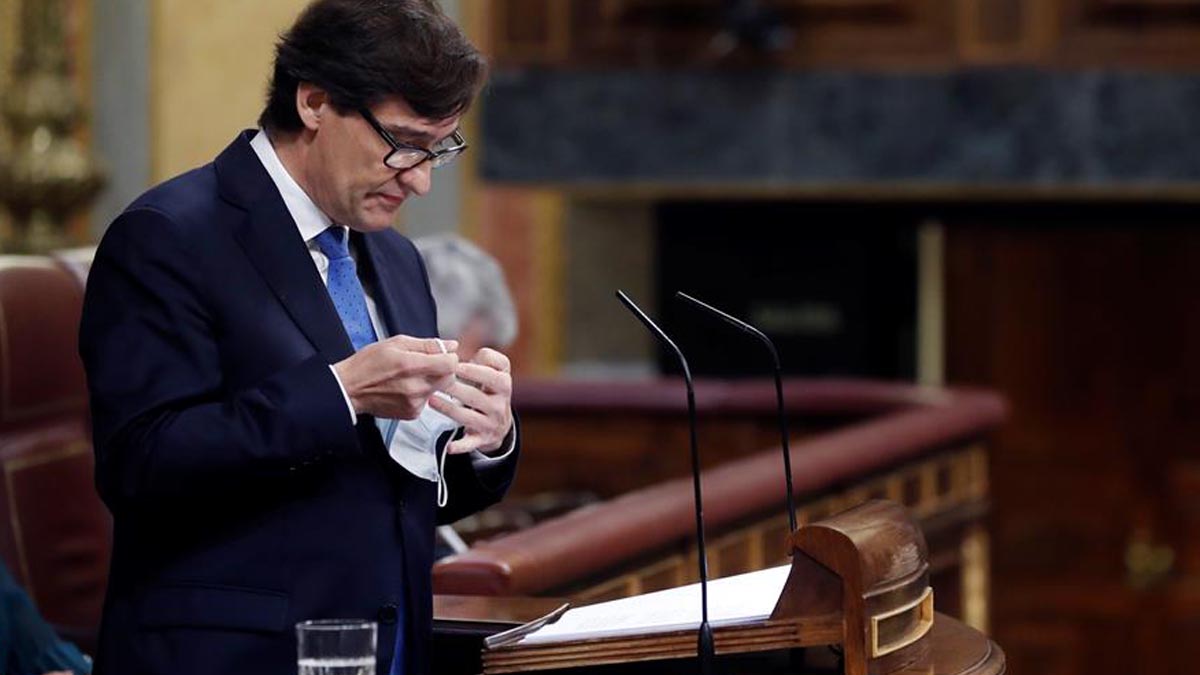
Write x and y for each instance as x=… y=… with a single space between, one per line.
x=164 y=424
x=475 y=485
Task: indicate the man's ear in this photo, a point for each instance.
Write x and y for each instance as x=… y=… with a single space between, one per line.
x=310 y=104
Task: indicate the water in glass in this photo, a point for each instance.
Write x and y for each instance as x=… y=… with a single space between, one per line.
x=359 y=666
x=336 y=647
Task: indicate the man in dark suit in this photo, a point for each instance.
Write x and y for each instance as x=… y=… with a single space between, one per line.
x=277 y=428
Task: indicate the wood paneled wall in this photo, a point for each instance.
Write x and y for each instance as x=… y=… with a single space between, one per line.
x=1088 y=323
x=886 y=34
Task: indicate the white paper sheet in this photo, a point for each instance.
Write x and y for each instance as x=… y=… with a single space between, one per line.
x=733 y=600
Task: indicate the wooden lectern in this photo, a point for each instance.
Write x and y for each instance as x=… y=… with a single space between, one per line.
x=858 y=582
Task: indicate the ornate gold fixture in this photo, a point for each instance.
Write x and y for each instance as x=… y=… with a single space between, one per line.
x=46 y=175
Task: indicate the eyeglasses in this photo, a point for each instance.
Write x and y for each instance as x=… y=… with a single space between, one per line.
x=404 y=156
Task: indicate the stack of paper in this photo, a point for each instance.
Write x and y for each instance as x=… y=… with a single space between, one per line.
x=731 y=601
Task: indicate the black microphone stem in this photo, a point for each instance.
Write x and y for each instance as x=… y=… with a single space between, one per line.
x=783 y=434
x=706 y=647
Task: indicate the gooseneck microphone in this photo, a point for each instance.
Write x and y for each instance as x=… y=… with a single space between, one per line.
x=705 y=647
x=783 y=434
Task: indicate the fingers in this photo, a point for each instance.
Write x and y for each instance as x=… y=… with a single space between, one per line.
x=479 y=428
x=487 y=378
x=486 y=426
x=493 y=358
x=482 y=387
x=395 y=377
x=422 y=345
x=469 y=442
x=472 y=419
x=484 y=392
x=430 y=366
x=417 y=377
x=493 y=405
x=400 y=361
x=425 y=357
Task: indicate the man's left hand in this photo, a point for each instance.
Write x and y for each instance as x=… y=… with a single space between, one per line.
x=484 y=392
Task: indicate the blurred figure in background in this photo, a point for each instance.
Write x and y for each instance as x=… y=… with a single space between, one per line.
x=473 y=301
x=28 y=646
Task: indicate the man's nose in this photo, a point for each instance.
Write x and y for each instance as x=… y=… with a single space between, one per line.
x=418 y=179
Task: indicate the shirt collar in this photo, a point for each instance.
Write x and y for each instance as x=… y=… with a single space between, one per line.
x=310 y=220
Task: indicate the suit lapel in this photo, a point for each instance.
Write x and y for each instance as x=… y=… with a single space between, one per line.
x=276 y=249
x=398 y=315
x=273 y=244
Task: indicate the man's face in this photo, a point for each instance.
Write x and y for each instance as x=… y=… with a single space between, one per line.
x=345 y=174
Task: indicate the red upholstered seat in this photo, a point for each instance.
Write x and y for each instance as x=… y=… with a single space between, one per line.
x=54 y=531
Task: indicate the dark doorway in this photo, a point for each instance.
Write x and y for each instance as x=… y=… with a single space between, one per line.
x=833 y=284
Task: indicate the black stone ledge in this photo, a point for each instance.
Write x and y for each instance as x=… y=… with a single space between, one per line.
x=1011 y=127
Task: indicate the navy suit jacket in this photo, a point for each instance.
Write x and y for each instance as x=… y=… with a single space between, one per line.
x=243 y=499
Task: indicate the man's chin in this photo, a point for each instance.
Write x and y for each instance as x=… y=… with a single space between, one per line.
x=373 y=225
x=376 y=219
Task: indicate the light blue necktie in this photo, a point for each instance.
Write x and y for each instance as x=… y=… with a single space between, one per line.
x=345 y=288
x=351 y=303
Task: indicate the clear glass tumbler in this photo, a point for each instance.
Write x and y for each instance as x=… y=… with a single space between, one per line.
x=336 y=647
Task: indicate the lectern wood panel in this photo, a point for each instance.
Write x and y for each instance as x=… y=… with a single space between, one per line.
x=850 y=574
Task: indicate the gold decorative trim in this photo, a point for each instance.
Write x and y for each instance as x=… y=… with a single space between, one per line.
x=976 y=578
x=548 y=214
x=72 y=450
x=924 y=607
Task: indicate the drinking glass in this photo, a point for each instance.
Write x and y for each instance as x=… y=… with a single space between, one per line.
x=336 y=647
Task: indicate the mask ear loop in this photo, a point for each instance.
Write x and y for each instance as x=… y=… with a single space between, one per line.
x=443 y=490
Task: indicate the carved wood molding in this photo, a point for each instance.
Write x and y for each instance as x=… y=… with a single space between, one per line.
x=1120 y=12
x=689 y=32
x=1136 y=33
x=1004 y=31
x=873 y=34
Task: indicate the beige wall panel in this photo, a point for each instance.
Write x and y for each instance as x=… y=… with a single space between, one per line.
x=9 y=12
x=209 y=67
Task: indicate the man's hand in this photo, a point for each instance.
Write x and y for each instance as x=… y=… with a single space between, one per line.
x=484 y=393
x=395 y=377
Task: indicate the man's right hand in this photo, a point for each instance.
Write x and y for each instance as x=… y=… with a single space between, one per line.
x=395 y=377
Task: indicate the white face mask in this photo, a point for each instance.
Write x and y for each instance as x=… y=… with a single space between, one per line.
x=413 y=445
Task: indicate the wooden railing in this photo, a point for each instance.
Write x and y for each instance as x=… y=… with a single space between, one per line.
x=919 y=447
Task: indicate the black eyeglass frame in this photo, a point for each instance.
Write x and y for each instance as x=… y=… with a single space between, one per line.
x=460 y=146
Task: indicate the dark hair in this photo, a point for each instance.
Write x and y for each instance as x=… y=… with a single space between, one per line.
x=363 y=51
